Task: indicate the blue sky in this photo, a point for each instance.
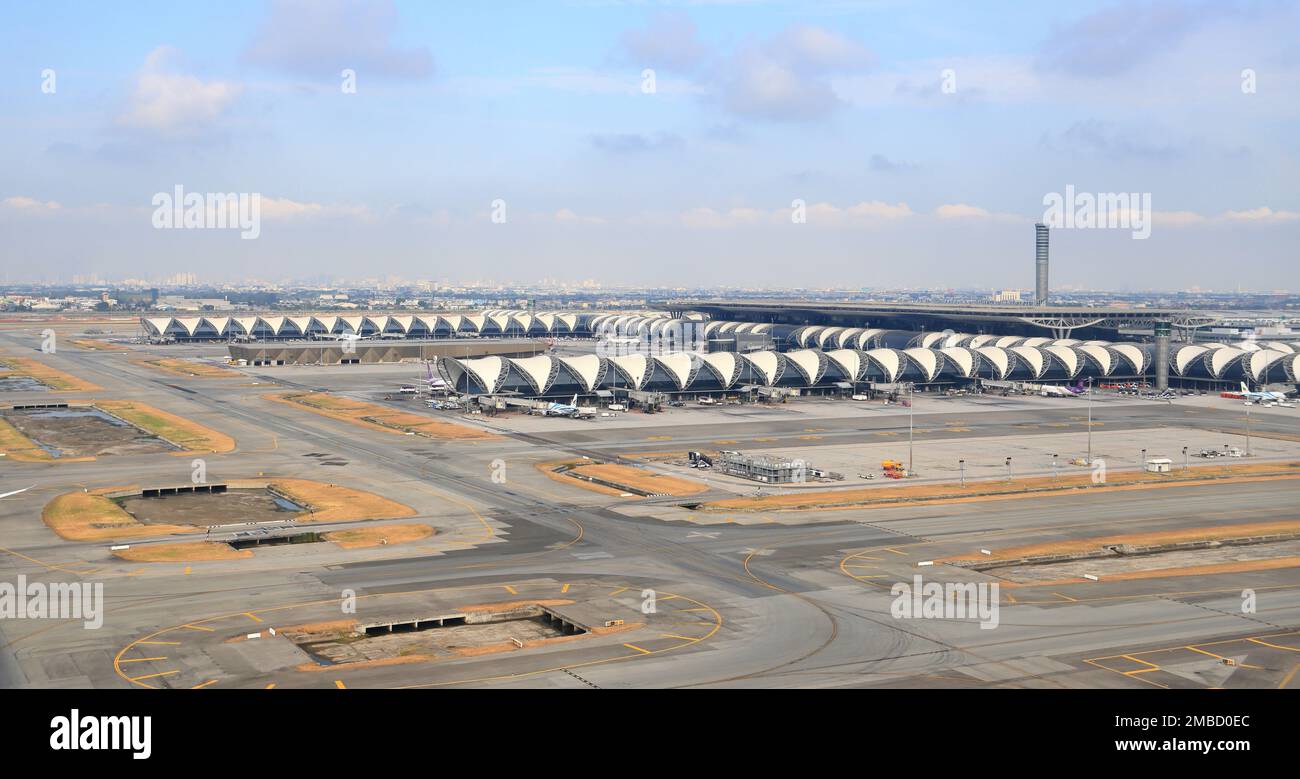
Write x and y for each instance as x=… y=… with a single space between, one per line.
x=839 y=105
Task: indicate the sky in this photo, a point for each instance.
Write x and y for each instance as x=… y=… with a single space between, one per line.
x=682 y=144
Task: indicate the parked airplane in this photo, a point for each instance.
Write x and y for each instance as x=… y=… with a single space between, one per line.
x=15 y=492
x=570 y=409
x=435 y=383
x=1261 y=395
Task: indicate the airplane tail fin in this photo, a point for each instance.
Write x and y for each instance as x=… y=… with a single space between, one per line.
x=574 y=402
x=1244 y=388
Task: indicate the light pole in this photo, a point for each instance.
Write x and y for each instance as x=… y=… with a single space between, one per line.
x=1089 y=420
x=1184 y=458
x=1248 y=430
x=909 y=430
x=1144 y=459
x=962 y=465
x=1053 y=466
x=1008 y=470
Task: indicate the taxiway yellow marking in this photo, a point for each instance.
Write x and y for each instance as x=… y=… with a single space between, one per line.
x=1273 y=646
x=196 y=627
x=674 y=635
x=620 y=589
x=252 y=616
x=1221 y=657
x=137 y=571
x=270 y=686
x=1290 y=675
x=895 y=551
x=143 y=659
x=698 y=609
x=187 y=570
x=810 y=438
x=670 y=597
x=510 y=589
x=339 y=684
x=637 y=648
x=1067 y=597
x=727 y=441
x=565 y=588
x=151 y=676
x=165 y=643
x=659 y=438
x=204 y=684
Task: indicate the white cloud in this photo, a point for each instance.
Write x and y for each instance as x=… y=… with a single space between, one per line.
x=1261 y=214
x=23 y=203
x=966 y=211
x=172 y=103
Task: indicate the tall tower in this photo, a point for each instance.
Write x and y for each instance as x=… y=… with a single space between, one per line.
x=1040 y=264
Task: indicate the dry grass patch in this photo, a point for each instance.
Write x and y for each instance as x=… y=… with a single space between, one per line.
x=190 y=436
x=98 y=346
x=1152 y=538
x=638 y=479
x=55 y=379
x=89 y=516
x=381 y=535
x=378 y=417
x=184 y=552
x=949 y=491
x=190 y=368
x=19 y=447
x=335 y=503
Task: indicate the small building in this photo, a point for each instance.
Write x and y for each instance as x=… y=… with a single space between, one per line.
x=1159 y=465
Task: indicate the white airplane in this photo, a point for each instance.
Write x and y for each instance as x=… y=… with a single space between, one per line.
x=569 y=409
x=1262 y=395
x=15 y=492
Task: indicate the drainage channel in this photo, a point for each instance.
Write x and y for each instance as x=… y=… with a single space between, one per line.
x=557 y=621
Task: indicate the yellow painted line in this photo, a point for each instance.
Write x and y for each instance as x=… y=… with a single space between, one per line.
x=270 y=686
x=670 y=597
x=674 y=635
x=886 y=432
x=510 y=589
x=1151 y=666
x=339 y=684
x=187 y=570
x=620 y=589
x=252 y=616
x=810 y=438
x=1067 y=597
x=895 y=551
x=151 y=676
x=164 y=643
x=1274 y=646
x=765 y=440
x=196 y=627
x=1221 y=657
x=659 y=438
x=205 y=684
x=697 y=609
x=565 y=588
x=1290 y=675
x=137 y=571
x=726 y=441
x=637 y=648
x=143 y=659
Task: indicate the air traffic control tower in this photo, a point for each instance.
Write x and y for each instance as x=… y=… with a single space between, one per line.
x=1040 y=264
